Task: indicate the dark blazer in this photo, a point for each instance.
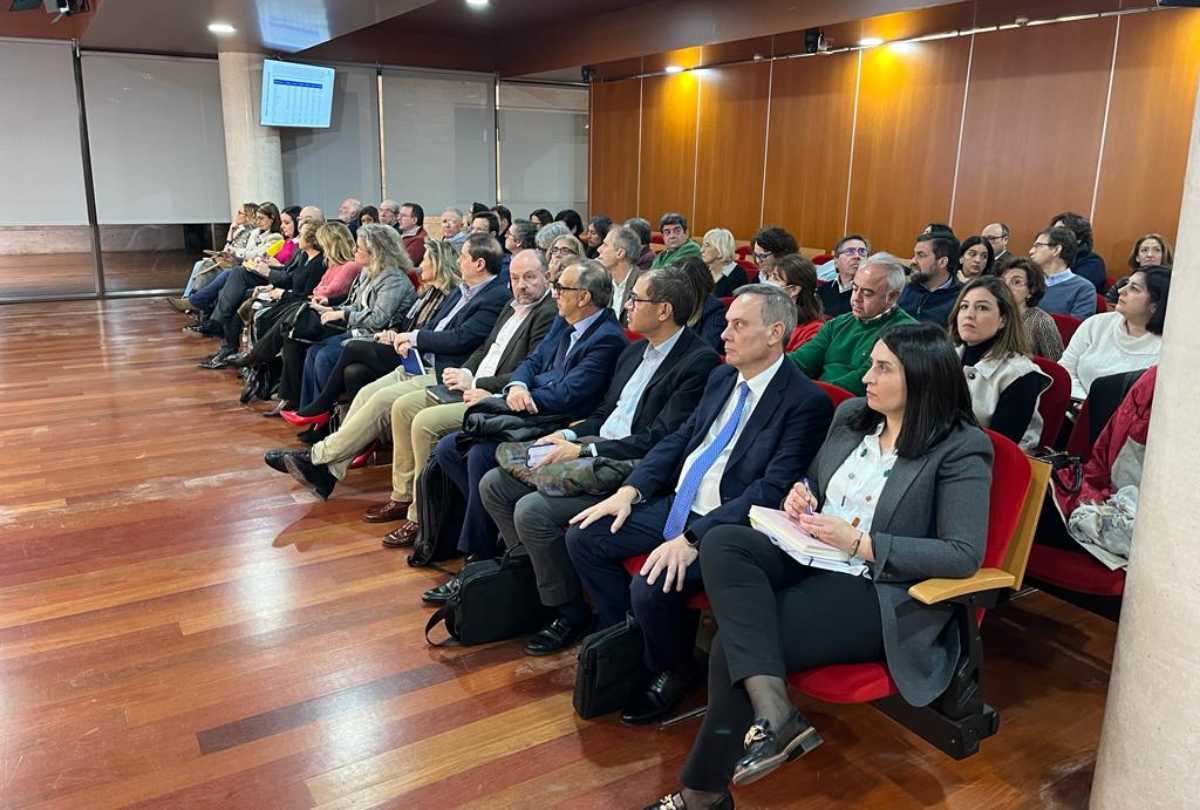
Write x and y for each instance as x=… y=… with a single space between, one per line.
x=775 y=448
x=526 y=340
x=574 y=388
x=300 y=277
x=466 y=330
x=1091 y=266
x=834 y=302
x=668 y=400
x=727 y=285
x=630 y=280
x=712 y=324
x=930 y=521
x=930 y=306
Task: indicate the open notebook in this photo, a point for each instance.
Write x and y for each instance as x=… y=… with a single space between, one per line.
x=802 y=546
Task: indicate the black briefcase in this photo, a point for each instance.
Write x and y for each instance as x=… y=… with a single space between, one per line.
x=610 y=669
x=496 y=599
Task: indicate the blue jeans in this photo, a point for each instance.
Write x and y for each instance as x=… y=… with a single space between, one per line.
x=318 y=365
x=196 y=268
x=205 y=298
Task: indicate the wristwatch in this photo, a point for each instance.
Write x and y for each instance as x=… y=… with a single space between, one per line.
x=588 y=450
x=692 y=538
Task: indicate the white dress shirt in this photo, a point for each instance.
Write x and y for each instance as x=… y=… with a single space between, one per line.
x=854 y=490
x=619 y=423
x=491 y=360
x=708 y=497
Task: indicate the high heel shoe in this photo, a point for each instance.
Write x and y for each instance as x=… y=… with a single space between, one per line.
x=295 y=419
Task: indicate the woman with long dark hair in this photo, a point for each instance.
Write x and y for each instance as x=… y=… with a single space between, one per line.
x=900 y=485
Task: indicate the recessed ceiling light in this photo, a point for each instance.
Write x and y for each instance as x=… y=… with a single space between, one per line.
x=221 y=28
x=870 y=42
x=673 y=69
x=478 y=4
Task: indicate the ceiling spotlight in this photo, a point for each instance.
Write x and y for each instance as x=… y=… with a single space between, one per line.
x=221 y=28
x=673 y=69
x=870 y=42
x=478 y=4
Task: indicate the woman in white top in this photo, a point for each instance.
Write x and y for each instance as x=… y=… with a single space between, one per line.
x=1125 y=340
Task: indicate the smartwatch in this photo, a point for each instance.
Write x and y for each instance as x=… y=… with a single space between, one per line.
x=692 y=538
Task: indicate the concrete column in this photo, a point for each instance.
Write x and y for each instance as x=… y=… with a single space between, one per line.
x=253 y=156
x=1152 y=719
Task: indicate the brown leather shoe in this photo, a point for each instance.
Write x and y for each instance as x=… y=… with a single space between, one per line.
x=387 y=512
x=403 y=536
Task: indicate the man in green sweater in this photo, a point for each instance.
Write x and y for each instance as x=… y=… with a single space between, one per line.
x=840 y=353
x=679 y=245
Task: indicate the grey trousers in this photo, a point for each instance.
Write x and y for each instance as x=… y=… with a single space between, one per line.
x=527 y=517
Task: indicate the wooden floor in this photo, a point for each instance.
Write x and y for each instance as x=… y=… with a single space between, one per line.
x=181 y=627
x=52 y=274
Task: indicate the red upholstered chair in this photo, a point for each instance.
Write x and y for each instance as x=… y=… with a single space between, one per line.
x=1067 y=324
x=1055 y=400
x=959 y=719
x=1101 y=303
x=726 y=300
x=633 y=565
x=751 y=272
x=633 y=336
x=821 y=258
x=742 y=252
x=836 y=393
x=656 y=238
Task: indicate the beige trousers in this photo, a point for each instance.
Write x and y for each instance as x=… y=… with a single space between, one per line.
x=416 y=427
x=369 y=418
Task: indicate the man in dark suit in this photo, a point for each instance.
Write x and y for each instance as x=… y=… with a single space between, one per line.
x=566 y=376
x=618 y=253
x=755 y=431
x=457 y=328
x=655 y=388
x=419 y=419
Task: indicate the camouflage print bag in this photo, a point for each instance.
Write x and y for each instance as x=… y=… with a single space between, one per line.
x=582 y=476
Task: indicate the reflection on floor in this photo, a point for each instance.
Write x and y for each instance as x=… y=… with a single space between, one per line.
x=48 y=274
x=182 y=627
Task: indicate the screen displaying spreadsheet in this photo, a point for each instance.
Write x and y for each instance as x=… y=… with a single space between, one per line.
x=295 y=95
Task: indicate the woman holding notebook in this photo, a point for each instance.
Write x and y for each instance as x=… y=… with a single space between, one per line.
x=901 y=485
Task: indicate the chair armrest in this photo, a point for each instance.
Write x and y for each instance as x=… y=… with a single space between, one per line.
x=933 y=591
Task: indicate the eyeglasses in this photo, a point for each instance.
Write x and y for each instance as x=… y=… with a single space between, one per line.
x=854 y=251
x=562 y=251
x=1041 y=244
x=561 y=288
x=633 y=301
x=760 y=257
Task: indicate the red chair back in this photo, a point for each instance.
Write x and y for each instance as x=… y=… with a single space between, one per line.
x=1067 y=324
x=1054 y=401
x=1101 y=303
x=742 y=252
x=1079 y=443
x=656 y=239
x=633 y=336
x=751 y=273
x=835 y=393
x=726 y=300
x=821 y=258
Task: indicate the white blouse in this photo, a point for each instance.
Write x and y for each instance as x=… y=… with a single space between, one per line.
x=854 y=490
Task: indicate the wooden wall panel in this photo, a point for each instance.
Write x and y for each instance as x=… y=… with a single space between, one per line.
x=1149 y=121
x=909 y=112
x=614 y=148
x=808 y=155
x=668 y=164
x=1031 y=138
x=733 y=133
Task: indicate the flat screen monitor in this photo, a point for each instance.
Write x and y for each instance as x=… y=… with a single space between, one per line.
x=295 y=95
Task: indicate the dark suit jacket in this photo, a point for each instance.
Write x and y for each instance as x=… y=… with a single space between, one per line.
x=727 y=285
x=775 y=448
x=466 y=330
x=668 y=400
x=630 y=280
x=712 y=324
x=930 y=521
x=576 y=386
x=525 y=341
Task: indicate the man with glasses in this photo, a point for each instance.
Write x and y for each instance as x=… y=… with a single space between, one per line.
x=847 y=255
x=997 y=236
x=655 y=387
x=618 y=253
x=840 y=353
x=452 y=227
x=679 y=246
x=566 y=376
x=1066 y=293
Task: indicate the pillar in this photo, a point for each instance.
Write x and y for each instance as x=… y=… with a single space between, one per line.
x=1152 y=718
x=253 y=157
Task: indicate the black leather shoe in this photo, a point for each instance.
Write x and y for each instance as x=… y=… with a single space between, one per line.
x=316 y=477
x=238 y=360
x=675 y=802
x=658 y=699
x=442 y=593
x=218 y=360
x=274 y=458
x=558 y=635
x=767 y=749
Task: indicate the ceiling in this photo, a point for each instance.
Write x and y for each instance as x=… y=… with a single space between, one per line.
x=527 y=38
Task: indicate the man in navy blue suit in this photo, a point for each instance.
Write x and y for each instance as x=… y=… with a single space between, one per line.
x=755 y=431
x=566 y=376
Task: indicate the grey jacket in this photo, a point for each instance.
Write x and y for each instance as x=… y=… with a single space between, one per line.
x=371 y=304
x=930 y=521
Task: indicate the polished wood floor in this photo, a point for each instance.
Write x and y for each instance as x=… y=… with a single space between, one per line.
x=181 y=627
x=53 y=274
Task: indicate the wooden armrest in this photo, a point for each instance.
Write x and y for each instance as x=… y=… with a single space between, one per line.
x=932 y=591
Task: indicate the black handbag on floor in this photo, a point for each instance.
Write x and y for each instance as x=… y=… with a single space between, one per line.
x=610 y=669
x=441 y=508
x=496 y=599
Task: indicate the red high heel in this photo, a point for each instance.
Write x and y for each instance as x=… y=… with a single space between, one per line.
x=294 y=418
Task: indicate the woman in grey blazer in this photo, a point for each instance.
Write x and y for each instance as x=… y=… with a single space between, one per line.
x=901 y=483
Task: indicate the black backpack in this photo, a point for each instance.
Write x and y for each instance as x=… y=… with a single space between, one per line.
x=496 y=599
x=442 y=509
x=610 y=669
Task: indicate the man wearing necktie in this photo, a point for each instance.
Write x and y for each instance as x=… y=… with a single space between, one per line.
x=755 y=431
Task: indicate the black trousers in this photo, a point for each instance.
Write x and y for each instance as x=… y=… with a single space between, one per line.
x=774 y=616
x=294 y=354
x=360 y=363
